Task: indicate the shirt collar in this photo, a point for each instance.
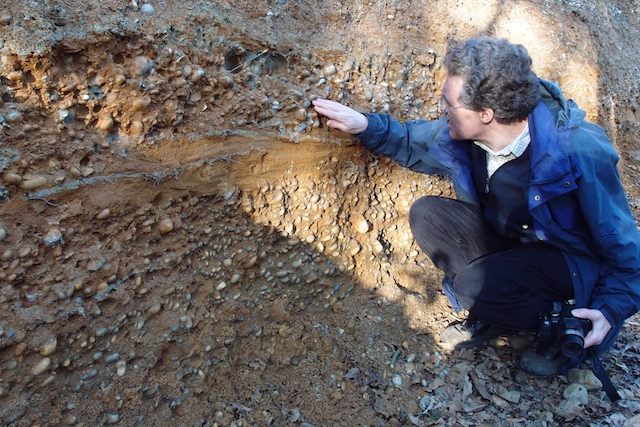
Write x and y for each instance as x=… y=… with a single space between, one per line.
x=517 y=147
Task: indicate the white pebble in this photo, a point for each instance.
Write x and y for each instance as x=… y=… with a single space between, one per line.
x=147 y=9
x=53 y=237
x=42 y=366
x=397 y=380
x=221 y=286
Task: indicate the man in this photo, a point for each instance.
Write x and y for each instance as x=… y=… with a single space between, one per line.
x=541 y=216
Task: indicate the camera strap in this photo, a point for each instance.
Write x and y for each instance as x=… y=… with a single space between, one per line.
x=601 y=373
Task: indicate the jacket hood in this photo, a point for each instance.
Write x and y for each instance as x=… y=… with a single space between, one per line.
x=566 y=112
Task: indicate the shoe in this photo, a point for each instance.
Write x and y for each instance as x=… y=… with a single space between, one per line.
x=469 y=333
x=543 y=363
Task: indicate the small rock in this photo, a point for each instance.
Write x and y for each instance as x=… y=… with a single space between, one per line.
x=147 y=9
x=577 y=392
x=329 y=70
x=359 y=223
x=141 y=104
x=569 y=409
x=3 y=233
x=103 y=213
x=12 y=178
x=70 y=419
x=121 y=368
x=95 y=265
x=49 y=347
x=112 y=358
x=5 y=19
x=165 y=226
x=41 y=366
x=113 y=417
x=142 y=65
x=14 y=76
x=105 y=123
x=584 y=377
x=13 y=117
x=53 y=237
x=397 y=380
x=34 y=182
x=221 y=286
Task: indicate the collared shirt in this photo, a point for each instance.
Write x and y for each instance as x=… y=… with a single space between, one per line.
x=510 y=152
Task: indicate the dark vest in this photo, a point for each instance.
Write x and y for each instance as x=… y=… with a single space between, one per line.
x=503 y=197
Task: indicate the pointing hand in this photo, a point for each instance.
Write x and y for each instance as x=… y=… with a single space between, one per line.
x=341 y=117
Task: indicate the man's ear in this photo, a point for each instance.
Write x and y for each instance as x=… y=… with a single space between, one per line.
x=486 y=115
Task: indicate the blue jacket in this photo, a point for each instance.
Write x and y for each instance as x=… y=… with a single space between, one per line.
x=593 y=227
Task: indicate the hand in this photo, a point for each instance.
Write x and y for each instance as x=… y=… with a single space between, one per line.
x=341 y=117
x=599 y=325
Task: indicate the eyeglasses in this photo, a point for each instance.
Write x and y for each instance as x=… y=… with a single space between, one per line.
x=443 y=108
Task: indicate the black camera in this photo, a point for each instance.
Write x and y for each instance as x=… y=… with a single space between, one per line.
x=561 y=328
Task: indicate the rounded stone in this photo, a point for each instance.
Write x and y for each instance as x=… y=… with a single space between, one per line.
x=105 y=123
x=53 y=237
x=49 y=347
x=41 y=366
x=12 y=178
x=147 y=9
x=34 y=182
x=359 y=223
x=165 y=226
x=576 y=392
x=103 y=213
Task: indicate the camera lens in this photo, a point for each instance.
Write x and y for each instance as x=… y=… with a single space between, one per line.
x=572 y=343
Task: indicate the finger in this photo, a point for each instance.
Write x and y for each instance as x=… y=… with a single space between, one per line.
x=592 y=338
x=584 y=313
x=332 y=105
x=326 y=112
x=337 y=125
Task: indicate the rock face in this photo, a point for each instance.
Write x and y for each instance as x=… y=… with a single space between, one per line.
x=179 y=228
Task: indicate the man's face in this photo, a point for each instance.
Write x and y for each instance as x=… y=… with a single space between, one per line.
x=463 y=122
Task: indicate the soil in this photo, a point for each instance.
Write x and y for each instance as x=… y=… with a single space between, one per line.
x=184 y=242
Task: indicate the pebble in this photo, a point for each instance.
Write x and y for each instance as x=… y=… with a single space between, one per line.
x=121 y=368
x=34 y=182
x=221 y=286
x=359 y=223
x=576 y=392
x=53 y=237
x=329 y=70
x=142 y=65
x=14 y=76
x=113 y=417
x=105 y=123
x=141 y=104
x=103 y=213
x=5 y=19
x=49 y=347
x=13 y=117
x=397 y=380
x=112 y=358
x=165 y=226
x=12 y=178
x=147 y=9
x=3 y=233
x=41 y=366
x=584 y=377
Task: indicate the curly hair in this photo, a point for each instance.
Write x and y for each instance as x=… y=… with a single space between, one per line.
x=497 y=75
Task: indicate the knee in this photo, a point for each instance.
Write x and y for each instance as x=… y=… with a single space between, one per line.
x=420 y=210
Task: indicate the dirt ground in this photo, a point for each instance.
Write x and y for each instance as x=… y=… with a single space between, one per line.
x=183 y=241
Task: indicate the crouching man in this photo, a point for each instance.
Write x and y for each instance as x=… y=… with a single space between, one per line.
x=541 y=220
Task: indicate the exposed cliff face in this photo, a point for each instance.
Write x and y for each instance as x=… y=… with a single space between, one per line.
x=184 y=242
